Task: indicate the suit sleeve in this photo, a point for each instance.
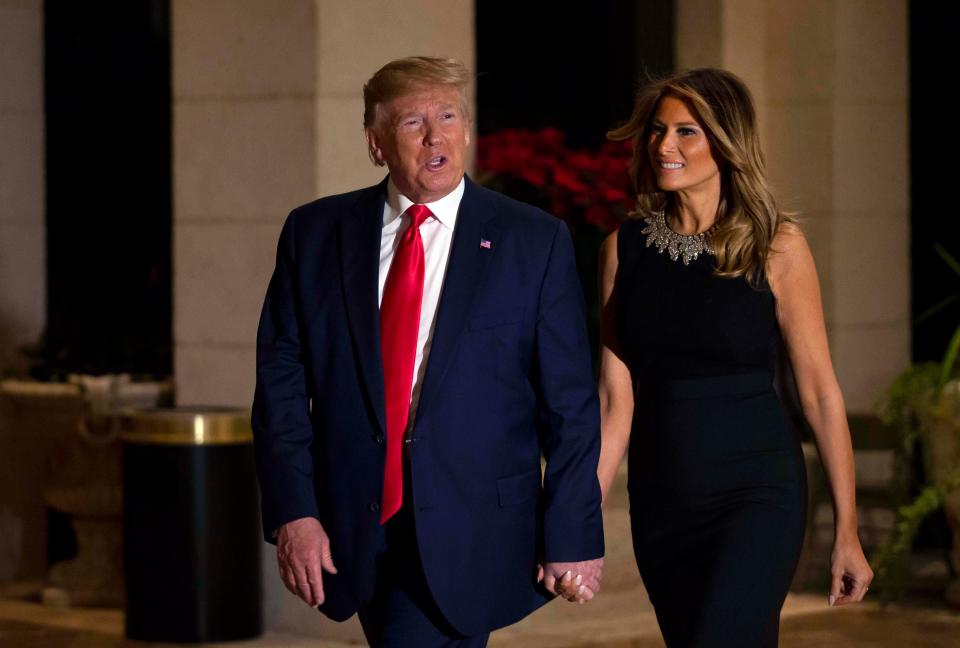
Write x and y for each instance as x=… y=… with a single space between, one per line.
x=282 y=431
x=572 y=525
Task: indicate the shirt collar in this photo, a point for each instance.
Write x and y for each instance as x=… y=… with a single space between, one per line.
x=444 y=209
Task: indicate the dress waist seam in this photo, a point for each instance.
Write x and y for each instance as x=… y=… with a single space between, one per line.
x=713 y=386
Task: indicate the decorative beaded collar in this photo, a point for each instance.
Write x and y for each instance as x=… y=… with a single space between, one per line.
x=687 y=247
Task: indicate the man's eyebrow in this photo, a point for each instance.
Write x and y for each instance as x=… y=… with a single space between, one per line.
x=405 y=114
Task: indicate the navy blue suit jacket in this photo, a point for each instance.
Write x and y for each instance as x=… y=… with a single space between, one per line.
x=508 y=379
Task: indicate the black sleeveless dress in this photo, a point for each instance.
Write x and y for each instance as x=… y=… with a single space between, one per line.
x=716 y=475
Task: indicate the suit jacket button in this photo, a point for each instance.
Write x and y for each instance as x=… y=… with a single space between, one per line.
x=379 y=439
x=373 y=506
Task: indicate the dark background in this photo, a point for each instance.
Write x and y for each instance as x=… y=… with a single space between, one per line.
x=108 y=187
x=932 y=218
x=576 y=70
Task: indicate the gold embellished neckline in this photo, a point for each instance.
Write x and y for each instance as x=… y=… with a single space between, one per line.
x=685 y=247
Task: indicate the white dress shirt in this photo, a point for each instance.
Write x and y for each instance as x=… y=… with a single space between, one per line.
x=437 y=235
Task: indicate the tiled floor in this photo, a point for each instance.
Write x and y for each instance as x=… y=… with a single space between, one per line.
x=32 y=625
x=807 y=623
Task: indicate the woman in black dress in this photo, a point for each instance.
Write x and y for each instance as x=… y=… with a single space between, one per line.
x=697 y=291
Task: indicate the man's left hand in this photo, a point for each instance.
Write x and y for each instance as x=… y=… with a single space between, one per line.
x=575 y=581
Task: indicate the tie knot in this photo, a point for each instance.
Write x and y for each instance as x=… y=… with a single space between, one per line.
x=418 y=214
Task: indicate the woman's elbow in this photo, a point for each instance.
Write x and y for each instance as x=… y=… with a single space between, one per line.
x=821 y=401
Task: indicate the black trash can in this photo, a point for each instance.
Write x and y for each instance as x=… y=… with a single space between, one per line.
x=191 y=525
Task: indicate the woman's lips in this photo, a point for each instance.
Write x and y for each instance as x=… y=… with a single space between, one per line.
x=671 y=165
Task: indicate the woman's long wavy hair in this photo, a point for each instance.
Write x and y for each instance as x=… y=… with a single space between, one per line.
x=748 y=216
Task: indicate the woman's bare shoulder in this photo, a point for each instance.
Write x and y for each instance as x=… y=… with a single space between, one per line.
x=789 y=253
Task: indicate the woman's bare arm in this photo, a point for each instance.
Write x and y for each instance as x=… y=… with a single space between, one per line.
x=793 y=279
x=616 y=387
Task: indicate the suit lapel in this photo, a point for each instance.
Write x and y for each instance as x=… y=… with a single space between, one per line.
x=465 y=270
x=359 y=242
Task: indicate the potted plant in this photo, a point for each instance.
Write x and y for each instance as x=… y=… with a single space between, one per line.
x=923 y=403
x=60 y=475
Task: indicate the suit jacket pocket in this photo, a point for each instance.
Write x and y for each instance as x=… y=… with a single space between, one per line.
x=496 y=318
x=518 y=488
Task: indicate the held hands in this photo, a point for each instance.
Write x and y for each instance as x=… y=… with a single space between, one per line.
x=303 y=553
x=851 y=574
x=578 y=582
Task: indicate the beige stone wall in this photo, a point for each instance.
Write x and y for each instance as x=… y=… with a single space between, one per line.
x=22 y=228
x=830 y=80
x=243 y=142
x=267 y=116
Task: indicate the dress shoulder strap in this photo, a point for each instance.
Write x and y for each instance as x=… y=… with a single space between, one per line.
x=630 y=240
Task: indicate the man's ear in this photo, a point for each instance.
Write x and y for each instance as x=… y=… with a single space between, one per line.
x=373 y=148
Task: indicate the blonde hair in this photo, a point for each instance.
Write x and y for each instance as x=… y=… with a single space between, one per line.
x=748 y=217
x=406 y=75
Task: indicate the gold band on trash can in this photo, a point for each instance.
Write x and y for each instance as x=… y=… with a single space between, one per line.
x=186 y=426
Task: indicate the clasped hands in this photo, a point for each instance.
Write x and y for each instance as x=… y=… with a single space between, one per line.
x=303 y=554
x=578 y=582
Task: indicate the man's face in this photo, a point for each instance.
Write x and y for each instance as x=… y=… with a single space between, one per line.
x=422 y=137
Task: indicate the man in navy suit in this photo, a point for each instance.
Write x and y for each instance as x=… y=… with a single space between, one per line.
x=422 y=345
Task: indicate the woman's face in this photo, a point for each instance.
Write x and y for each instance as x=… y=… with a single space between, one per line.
x=679 y=151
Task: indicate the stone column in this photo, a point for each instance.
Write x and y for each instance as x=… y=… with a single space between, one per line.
x=244 y=155
x=267 y=116
x=22 y=228
x=23 y=539
x=830 y=81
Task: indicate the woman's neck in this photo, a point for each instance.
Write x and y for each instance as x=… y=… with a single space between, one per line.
x=693 y=212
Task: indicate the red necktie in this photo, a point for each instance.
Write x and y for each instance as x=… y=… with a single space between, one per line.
x=399 y=329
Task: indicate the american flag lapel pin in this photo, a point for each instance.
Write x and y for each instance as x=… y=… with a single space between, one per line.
x=485 y=244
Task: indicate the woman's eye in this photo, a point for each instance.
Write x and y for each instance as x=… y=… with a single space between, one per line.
x=686 y=131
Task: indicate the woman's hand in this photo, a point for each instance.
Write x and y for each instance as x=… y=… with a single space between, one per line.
x=851 y=574
x=577 y=582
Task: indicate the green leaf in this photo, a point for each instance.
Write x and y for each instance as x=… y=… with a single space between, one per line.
x=950 y=358
x=936 y=308
x=947 y=258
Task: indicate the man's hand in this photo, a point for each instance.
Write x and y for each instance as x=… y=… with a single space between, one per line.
x=575 y=581
x=303 y=552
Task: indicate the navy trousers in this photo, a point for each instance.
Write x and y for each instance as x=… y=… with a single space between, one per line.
x=402 y=613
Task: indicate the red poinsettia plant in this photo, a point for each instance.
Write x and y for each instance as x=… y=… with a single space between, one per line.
x=583 y=187
x=589 y=189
